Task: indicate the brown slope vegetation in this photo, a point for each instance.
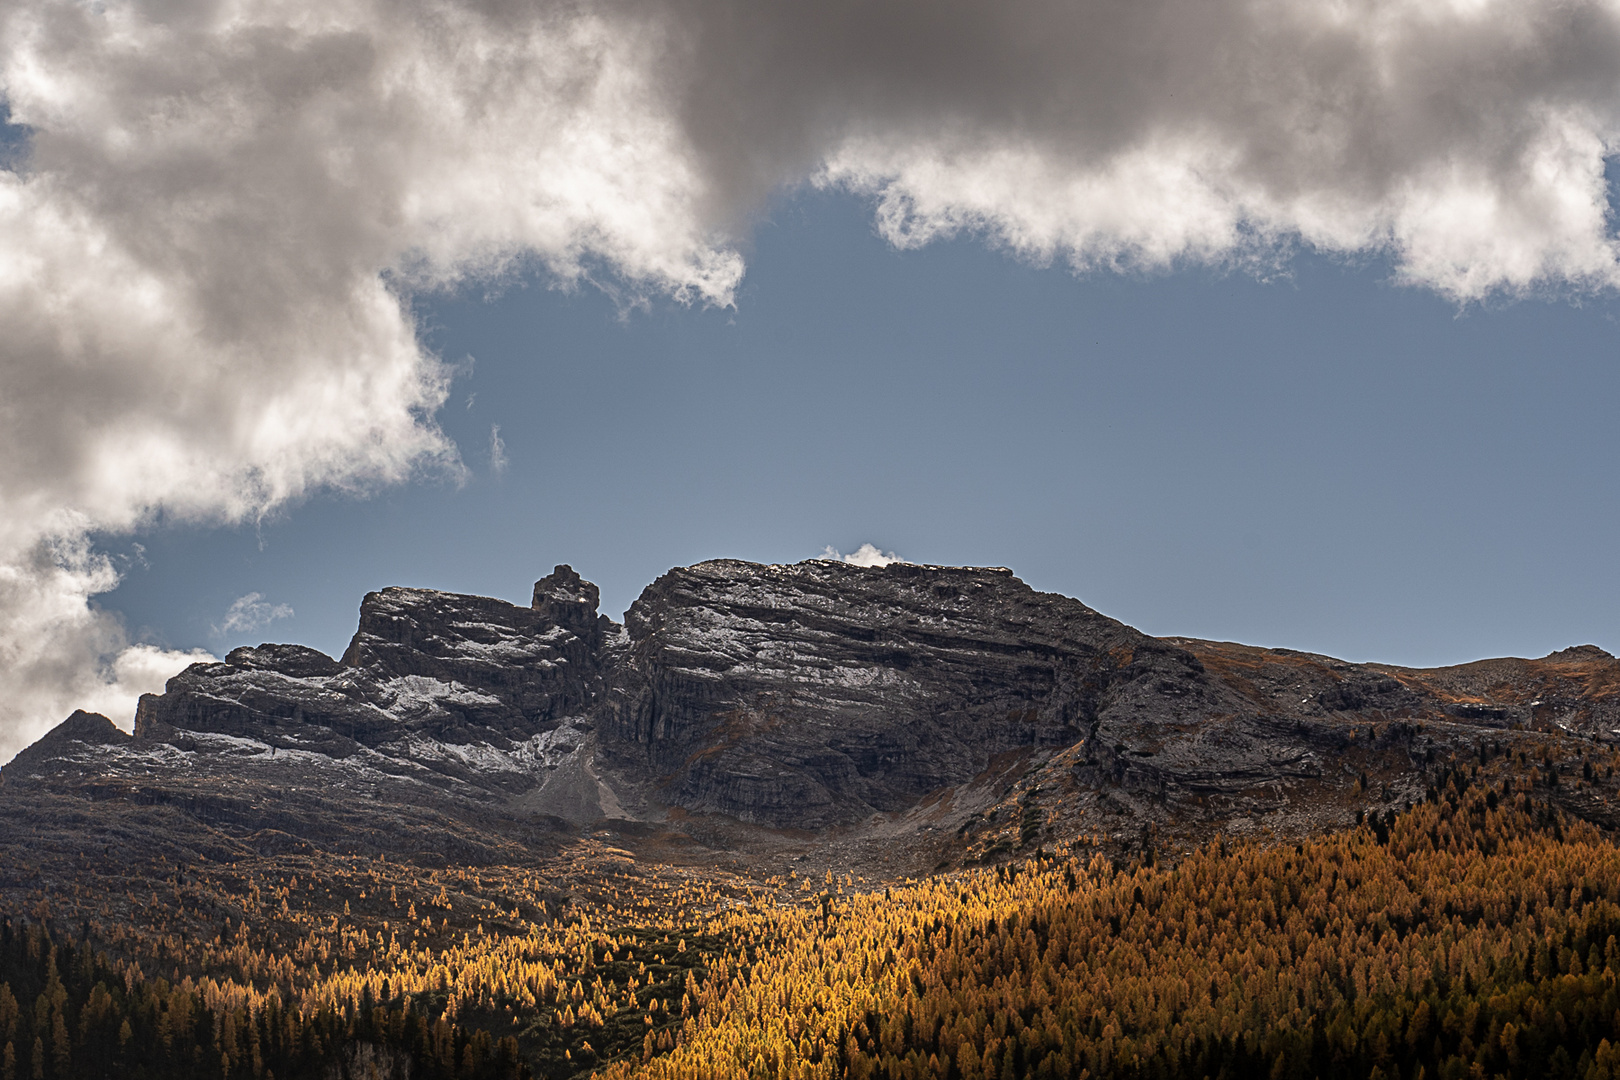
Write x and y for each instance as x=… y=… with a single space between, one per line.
x=535 y=824
x=1574 y=690
x=483 y=972
x=1473 y=935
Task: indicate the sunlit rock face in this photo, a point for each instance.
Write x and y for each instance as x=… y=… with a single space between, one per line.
x=811 y=694
x=463 y=687
x=936 y=707
x=795 y=696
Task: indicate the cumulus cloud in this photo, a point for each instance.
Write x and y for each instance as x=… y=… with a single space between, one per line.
x=249 y=613
x=58 y=653
x=865 y=555
x=209 y=245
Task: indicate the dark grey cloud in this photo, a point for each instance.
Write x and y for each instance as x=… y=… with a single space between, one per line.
x=1464 y=140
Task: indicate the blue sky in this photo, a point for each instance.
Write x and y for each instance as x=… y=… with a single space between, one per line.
x=1283 y=323
x=1322 y=460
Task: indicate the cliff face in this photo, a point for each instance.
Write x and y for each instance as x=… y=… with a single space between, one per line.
x=948 y=702
x=818 y=693
x=436 y=686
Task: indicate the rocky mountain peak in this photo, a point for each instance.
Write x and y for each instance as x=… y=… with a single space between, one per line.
x=296 y=661
x=569 y=601
x=67 y=740
x=743 y=702
x=1581 y=652
x=818 y=693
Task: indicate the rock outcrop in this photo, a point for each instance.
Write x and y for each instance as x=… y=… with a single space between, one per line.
x=818 y=693
x=780 y=701
x=435 y=685
x=83 y=733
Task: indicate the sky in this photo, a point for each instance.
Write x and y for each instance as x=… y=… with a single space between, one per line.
x=1323 y=461
x=1282 y=323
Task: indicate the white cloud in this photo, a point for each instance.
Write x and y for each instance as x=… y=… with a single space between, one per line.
x=57 y=653
x=207 y=255
x=249 y=613
x=497 y=449
x=137 y=670
x=865 y=555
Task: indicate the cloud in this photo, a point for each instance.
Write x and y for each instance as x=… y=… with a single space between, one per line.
x=497 y=449
x=865 y=555
x=57 y=653
x=137 y=669
x=210 y=243
x=248 y=613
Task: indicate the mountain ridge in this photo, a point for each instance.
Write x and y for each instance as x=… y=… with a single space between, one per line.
x=908 y=715
x=495 y=840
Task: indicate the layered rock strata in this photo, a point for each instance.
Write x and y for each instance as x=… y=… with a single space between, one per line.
x=788 y=701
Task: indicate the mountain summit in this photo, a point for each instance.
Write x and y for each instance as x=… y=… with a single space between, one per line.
x=890 y=718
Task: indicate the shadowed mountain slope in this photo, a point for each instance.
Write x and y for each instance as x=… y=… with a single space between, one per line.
x=890 y=718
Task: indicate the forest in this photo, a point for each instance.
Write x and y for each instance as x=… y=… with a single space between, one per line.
x=1471 y=935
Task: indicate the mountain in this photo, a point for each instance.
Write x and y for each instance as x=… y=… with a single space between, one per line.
x=891 y=719
x=502 y=841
